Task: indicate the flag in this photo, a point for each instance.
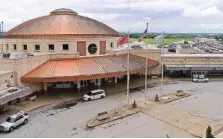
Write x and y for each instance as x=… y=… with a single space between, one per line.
x=123 y=40
x=159 y=38
x=144 y=34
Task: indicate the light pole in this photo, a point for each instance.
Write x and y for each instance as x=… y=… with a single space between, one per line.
x=128 y=72
x=146 y=65
x=2 y=28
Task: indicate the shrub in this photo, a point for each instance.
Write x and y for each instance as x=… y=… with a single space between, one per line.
x=209 y=133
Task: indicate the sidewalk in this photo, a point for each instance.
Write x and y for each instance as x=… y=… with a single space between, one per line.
x=54 y=98
x=134 y=84
x=190 y=79
x=183 y=120
x=51 y=99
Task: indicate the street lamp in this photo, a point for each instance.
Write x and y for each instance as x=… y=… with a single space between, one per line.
x=2 y=27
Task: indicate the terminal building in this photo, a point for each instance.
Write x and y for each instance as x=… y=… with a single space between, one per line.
x=67 y=50
x=193 y=65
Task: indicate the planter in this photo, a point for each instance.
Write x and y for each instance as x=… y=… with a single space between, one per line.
x=157 y=98
x=32 y=98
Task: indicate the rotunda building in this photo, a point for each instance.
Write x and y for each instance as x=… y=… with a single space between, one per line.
x=62 y=31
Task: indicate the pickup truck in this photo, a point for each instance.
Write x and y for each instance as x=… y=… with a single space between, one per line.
x=14 y=121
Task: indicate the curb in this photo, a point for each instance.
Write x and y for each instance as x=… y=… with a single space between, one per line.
x=92 y=126
x=53 y=103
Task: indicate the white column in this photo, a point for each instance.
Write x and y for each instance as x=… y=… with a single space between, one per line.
x=78 y=86
x=45 y=87
x=116 y=82
x=99 y=83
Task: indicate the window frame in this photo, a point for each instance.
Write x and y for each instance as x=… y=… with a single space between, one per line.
x=64 y=47
x=112 y=45
x=36 y=47
x=51 y=45
x=25 y=45
x=93 y=50
x=14 y=47
x=7 y=47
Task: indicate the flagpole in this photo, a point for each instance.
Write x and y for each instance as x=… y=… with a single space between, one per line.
x=161 y=86
x=146 y=74
x=128 y=76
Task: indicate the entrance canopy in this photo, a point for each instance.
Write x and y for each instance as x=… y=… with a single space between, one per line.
x=209 y=67
x=86 y=68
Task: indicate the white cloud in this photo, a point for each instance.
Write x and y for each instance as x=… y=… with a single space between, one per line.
x=124 y=15
x=202 y=13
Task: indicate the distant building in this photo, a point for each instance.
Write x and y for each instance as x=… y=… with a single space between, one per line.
x=209 y=40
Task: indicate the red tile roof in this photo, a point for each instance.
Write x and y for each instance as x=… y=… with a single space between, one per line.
x=76 y=69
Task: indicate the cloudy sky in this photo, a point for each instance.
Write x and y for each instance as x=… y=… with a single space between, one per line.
x=126 y=15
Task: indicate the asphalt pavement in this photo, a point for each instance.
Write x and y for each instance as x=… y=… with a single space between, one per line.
x=70 y=120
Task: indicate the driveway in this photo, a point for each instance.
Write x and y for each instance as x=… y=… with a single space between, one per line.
x=206 y=101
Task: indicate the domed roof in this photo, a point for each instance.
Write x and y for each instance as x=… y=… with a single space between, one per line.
x=61 y=23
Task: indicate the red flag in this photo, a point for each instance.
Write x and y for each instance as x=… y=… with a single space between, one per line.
x=123 y=40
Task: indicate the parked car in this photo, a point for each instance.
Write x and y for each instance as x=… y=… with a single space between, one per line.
x=94 y=94
x=199 y=80
x=14 y=121
x=173 y=50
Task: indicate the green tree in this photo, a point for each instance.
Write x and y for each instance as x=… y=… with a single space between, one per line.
x=209 y=132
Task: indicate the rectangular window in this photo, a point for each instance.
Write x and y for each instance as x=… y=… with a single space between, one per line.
x=25 y=47
x=111 y=44
x=65 y=47
x=37 y=47
x=51 y=47
x=7 y=46
x=14 y=46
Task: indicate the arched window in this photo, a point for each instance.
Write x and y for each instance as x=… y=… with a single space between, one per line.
x=92 y=48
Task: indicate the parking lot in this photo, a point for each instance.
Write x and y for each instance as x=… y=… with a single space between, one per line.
x=208 y=47
x=205 y=101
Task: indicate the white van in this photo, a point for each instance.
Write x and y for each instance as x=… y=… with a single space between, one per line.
x=200 y=80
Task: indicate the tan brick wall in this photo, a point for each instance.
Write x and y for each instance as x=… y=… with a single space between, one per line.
x=58 y=44
x=8 y=77
x=192 y=60
x=151 y=54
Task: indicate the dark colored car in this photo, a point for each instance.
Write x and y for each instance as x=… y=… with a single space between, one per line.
x=173 y=50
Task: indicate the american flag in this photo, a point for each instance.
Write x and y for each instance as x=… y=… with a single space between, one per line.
x=144 y=34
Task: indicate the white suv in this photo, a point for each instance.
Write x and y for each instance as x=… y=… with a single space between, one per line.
x=14 y=121
x=94 y=94
x=199 y=80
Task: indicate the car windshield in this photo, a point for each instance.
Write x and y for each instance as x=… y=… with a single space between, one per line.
x=10 y=120
x=89 y=93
